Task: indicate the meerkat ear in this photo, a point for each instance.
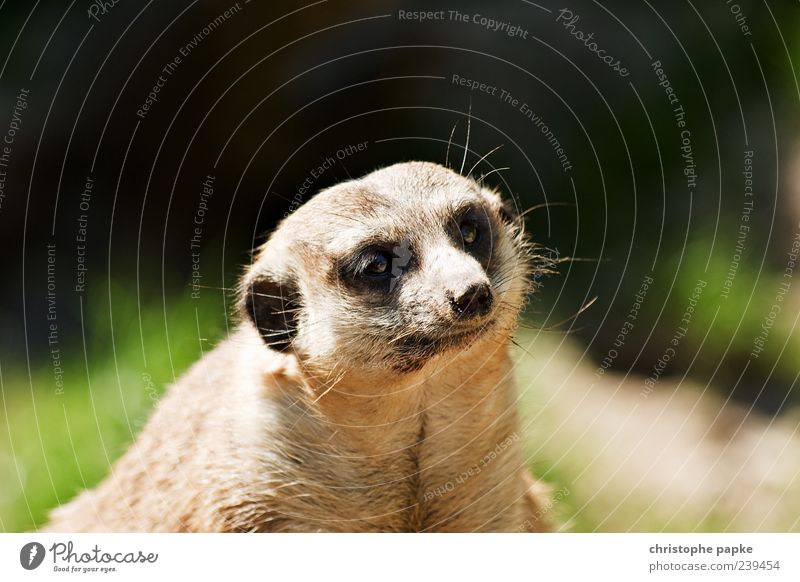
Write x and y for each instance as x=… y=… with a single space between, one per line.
x=505 y=208
x=271 y=303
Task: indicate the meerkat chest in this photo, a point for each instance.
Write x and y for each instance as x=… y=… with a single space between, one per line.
x=470 y=464
x=451 y=465
x=448 y=461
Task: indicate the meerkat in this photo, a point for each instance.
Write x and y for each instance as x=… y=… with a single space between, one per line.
x=367 y=388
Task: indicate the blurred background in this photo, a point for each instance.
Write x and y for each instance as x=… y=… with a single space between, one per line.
x=148 y=147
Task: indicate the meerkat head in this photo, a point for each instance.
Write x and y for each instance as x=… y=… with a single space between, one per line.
x=389 y=271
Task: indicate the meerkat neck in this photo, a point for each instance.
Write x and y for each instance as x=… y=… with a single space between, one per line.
x=470 y=393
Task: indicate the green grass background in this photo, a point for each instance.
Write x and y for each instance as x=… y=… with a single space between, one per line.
x=52 y=446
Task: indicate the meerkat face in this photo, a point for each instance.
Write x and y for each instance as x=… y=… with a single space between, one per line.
x=390 y=271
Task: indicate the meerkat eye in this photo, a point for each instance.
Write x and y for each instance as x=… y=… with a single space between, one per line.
x=379 y=265
x=469 y=232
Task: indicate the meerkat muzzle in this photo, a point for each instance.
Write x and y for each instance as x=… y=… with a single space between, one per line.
x=475 y=301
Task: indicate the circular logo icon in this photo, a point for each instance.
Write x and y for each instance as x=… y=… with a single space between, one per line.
x=31 y=555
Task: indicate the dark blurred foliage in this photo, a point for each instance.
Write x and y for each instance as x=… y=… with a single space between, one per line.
x=279 y=87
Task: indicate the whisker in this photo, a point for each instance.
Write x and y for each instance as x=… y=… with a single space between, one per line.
x=466 y=147
x=229 y=289
x=329 y=388
x=281 y=297
x=544 y=205
x=341 y=163
x=489 y=153
x=516 y=343
x=449 y=141
x=579 y=260
x=281 y=196
x=572 y=317
x=483 y=176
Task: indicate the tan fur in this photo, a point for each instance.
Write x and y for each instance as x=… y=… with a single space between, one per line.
x=332 y=435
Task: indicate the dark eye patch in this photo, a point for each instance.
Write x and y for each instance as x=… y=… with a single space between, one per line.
x=373 y=262
x=376 y=267
x=472 y=230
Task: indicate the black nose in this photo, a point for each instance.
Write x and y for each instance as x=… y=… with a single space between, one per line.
x=475 y=301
